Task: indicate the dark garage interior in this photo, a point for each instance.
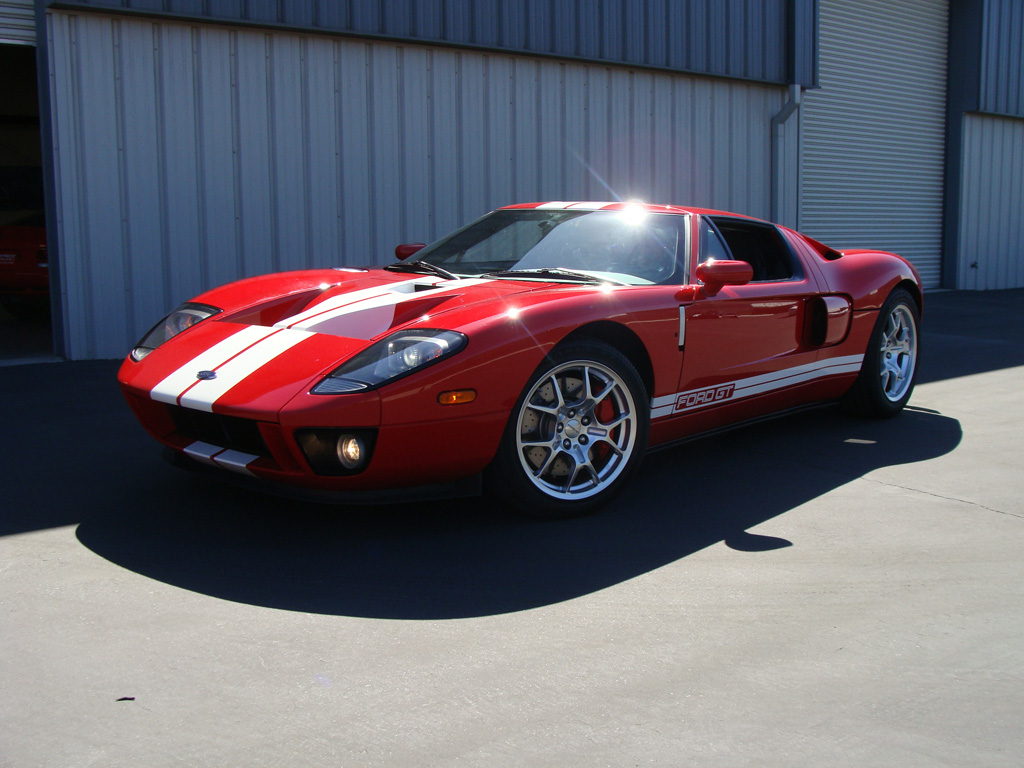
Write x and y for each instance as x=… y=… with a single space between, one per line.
x=25 y=330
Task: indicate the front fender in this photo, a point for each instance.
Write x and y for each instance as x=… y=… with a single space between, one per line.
x=506 y=347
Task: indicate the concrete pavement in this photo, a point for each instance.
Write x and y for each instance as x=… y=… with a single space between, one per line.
x=854 y=599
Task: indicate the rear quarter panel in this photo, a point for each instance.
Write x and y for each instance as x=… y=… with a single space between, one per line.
x=866 y=276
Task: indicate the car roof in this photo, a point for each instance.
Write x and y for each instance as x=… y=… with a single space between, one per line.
x=580 y=205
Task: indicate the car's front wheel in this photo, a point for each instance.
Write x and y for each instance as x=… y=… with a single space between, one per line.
x=576 y=434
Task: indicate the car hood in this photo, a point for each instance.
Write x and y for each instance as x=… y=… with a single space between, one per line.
x=369 y=309
x=252 y=360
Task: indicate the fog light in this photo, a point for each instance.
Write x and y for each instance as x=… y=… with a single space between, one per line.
x=350 y=451
x=333 y=452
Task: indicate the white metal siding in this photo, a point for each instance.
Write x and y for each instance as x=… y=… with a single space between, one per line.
x=1002 y=58
x=992 y=204
x=17 y=22
x=191 y=155
x=873 y=154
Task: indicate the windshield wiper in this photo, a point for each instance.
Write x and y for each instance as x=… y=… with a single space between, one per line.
x=582 y=277
x=423 y=267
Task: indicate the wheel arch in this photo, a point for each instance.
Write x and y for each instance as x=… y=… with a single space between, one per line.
x=915 y=291
x=870 y=395
x=624 y=340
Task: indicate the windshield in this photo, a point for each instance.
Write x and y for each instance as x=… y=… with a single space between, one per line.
x=629 y=246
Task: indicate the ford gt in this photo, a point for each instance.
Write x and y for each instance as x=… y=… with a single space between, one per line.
x=535 y=354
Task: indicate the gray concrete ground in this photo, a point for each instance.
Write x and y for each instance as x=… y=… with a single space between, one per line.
x=817 y=591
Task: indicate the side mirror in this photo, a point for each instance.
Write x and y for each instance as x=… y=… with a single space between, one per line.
x=403 y=252
x=715 y=273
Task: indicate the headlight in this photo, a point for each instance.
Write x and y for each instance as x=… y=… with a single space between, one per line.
x=398 y=355
x=181 y=319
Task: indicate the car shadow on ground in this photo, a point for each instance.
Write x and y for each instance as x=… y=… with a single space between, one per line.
x=467 y=558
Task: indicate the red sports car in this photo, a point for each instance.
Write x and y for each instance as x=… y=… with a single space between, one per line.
x=536 y=352
x=24 y=267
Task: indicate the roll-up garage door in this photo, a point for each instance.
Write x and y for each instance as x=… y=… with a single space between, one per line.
x=873 y=135
x=17 y=22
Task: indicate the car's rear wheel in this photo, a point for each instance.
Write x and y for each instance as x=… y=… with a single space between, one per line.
x=576 y=434
x=889 y=370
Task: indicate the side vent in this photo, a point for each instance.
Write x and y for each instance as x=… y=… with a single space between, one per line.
x=827 y=320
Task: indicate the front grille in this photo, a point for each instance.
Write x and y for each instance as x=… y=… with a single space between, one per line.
x=225 y=431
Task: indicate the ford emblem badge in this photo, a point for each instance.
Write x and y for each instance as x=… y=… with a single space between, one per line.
x=206 y=375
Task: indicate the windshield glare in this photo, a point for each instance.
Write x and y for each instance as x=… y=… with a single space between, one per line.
x=627 y=246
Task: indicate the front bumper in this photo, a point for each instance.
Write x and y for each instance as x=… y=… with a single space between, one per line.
x=424 y=459
x=466 y=487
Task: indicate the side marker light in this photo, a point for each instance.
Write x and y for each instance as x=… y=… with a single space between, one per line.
x=457 y=397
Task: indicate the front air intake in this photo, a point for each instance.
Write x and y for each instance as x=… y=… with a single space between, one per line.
x=232 y=432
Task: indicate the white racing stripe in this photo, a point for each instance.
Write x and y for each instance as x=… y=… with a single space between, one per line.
x=760 y=384
x=243 y=353
x=201 y=395
x=400 y=289
x=694 y=399
x=383 y=300
x=588 y=206
x=307 y=321
x=170 y=389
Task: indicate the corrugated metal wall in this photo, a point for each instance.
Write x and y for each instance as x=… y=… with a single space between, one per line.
x=17 y=22
x=873 y=160
x=737 y=38
x=1002 y=61
x=983 y=201
x=190 y=155
x=992 y=204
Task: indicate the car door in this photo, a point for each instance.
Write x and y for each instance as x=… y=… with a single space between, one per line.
x=744 y=347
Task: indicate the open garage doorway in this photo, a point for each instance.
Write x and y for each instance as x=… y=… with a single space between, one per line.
x=25 y=331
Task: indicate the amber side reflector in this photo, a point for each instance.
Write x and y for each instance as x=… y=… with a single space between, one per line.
x=457 y=397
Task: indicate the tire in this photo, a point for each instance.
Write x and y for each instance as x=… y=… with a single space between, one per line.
x=576 y=434
x=889 y=371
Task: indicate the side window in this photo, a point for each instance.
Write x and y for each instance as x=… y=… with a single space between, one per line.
x=711 y=245
x=762 y=246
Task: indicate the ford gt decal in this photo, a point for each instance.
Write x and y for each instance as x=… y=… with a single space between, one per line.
x=669 y=405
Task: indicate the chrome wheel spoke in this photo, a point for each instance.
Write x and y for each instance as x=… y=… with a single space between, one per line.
x=557 y=389
x=898 y=353
x=549 y=409
x=579 y=468
x=596 y=399
x=890 y=377
x=622 y=418
x=612 y=445
x=539 y=442
x=552 y=455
